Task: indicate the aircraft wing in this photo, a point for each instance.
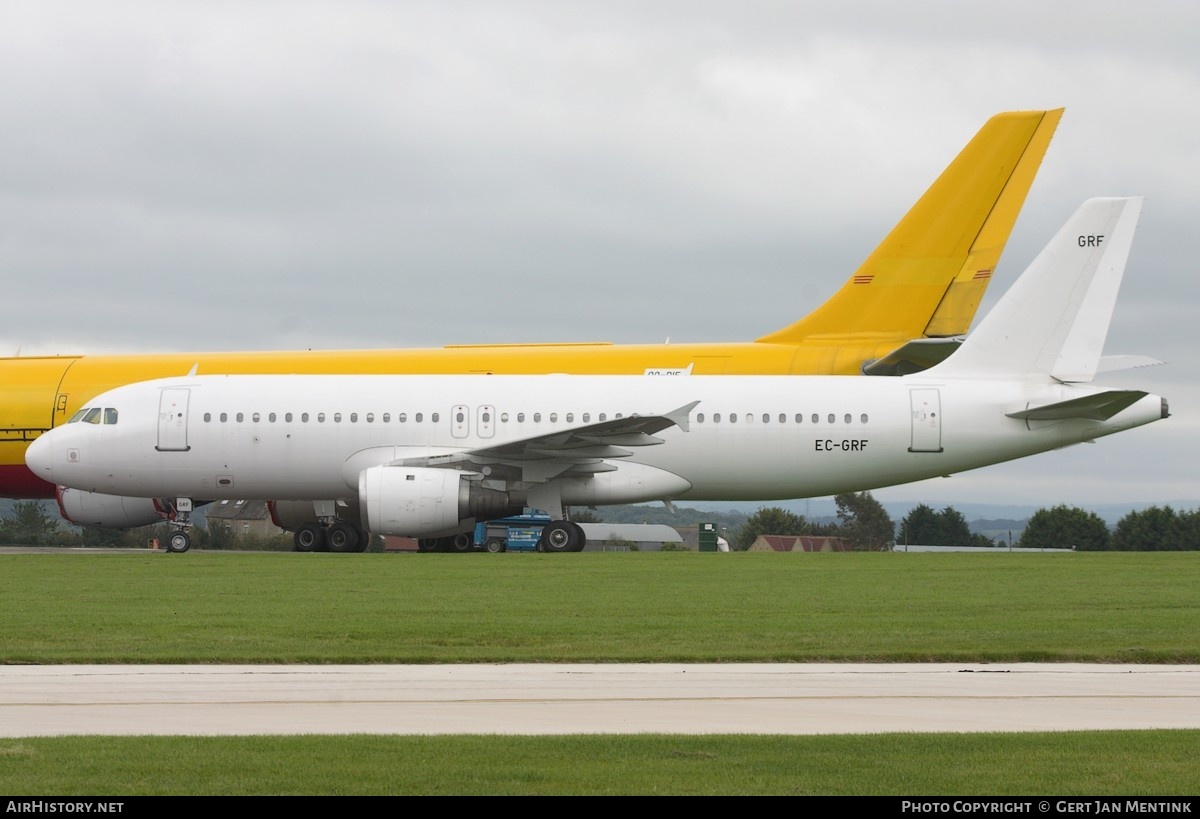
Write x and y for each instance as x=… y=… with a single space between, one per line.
x=576 y=451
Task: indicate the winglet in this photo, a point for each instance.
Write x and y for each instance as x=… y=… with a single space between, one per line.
x=679 y=417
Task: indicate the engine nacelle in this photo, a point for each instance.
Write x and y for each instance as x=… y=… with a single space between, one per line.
x=109 y=511
x=422 y=502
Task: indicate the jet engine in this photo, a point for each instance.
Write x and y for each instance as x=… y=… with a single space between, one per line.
x=420 y=501
x=109 y=511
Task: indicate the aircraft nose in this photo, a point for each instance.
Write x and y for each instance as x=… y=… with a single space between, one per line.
x=39 y=457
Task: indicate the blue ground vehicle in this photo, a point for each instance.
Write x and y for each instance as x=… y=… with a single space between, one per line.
x=517 y=533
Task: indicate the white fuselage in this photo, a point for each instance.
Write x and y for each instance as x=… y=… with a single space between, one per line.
x=747 y=438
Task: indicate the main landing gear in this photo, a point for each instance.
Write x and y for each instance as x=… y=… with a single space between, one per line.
x=460 y=543
x=562 y=536
x=338 y=536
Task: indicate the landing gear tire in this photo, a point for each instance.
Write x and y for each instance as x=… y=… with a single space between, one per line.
x=341 y=537
x=581 y=537
x=179 y=542
x=460 y=543
x=427 y=544
x=562 y=536
x=364 y=539
x=309 y=538
x=495 y=546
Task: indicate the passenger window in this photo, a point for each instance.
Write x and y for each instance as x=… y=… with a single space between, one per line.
x=320 y=417
x=716 y=417
x=271 y=418
x=782 y=418
x=816 y=419
x=587 y=418
x=699 y=418
x=799 y=418
x=832 y=418
x=255 y=417
x=207 y=417
x=847 y=419
x=537 y=417
x=520 y=417
x=287 y=416
x=224 y=417
x=387 y=417
x=863 y=418
x=459 y=417
x=370 y=417
x=420 y=416
x=354 y=417
x=434 y=417
x=554 y=417
x=733 y=417
x=504 y=417
x=240 y=417
x=487 y=417
x=603 y=417
x=337 y=418
x=304 y=417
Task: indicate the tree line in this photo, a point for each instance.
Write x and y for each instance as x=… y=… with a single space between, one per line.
x=862 y=522
x=865 y=525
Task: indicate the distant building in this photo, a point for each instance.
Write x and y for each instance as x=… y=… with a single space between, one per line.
x=243 y=517
x=643 y=537
x=799 y=543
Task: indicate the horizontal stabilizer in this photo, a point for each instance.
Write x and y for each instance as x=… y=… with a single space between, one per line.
x=913 y=356
x=1112 y=363
x=1099 y=407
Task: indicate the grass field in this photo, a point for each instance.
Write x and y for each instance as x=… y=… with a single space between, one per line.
x=212 y=607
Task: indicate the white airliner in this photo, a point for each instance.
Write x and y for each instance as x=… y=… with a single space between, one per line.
x=425 y=455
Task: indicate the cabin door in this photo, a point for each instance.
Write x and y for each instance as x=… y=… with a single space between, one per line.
x=172 y=419
x=926 y=421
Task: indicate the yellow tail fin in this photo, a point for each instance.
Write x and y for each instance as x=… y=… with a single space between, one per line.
x=928 y=276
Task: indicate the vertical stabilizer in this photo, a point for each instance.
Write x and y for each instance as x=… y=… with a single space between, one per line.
x=928 y=276
x=1055 y=318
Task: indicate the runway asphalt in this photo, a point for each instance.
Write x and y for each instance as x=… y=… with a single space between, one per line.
x=534 y=699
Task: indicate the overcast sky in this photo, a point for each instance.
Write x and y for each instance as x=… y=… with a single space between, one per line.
x=192 y=176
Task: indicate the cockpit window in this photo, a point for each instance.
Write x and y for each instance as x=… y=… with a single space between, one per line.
x=92 y=416
x=110 y=415
x=78 y=416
